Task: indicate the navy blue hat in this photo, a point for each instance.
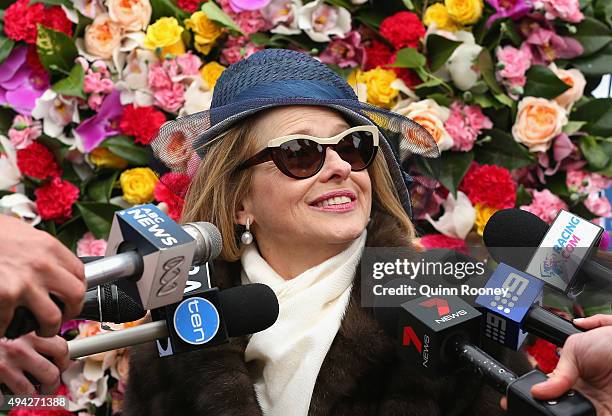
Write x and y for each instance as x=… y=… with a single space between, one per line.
x=280 y=77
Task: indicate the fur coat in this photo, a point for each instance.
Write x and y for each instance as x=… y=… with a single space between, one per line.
x=361 y=374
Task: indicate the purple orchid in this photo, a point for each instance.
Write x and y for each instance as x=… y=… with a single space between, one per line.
x=19 y=85
x=244 y=5
x=514 y=9
x=95 y=129
x=565 y=155
x=546 y=46
x=344 y=52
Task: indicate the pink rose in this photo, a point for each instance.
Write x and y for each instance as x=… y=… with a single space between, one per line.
x=88 y=245
x=568 y=10
x=545 y=205
x=598 y=205
x=170 y=99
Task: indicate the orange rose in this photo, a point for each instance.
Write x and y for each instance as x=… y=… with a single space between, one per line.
x=131 y=15
x=538 y=122
x=102 y=37
x=575 y=80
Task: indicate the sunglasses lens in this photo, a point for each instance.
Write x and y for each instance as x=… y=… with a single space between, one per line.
x=357 y=149
x=301 y=157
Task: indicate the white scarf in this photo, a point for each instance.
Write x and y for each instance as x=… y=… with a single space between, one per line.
x=286 y=358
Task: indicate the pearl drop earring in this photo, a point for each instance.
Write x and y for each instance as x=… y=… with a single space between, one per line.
x=247 y=237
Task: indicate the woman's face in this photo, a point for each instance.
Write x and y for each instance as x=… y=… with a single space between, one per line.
x=302 y=213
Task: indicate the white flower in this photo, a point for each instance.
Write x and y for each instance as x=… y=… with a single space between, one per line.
x=9 y=172
x=57 y=112
x=320 y=21
x=282 y=14
x=83 y=391
x=89 y=8
x=134 y=84
x=19 y=206
x=458 y=218
x=431 y=116
x=197 y=98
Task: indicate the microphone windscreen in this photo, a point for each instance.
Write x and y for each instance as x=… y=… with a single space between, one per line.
x=117 y=306
x=248 y=309
x=513 y=235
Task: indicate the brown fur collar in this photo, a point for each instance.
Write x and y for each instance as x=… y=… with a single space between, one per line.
x=361 y=374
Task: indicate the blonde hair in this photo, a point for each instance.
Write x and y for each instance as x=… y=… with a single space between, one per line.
x=218 y=187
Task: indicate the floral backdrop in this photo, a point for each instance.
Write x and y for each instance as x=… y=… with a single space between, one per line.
x=502 y=85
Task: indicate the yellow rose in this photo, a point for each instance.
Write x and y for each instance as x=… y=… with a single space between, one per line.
x=538 y=122
x=483 y=214
x=206 y=31
x=137 y=185
x=378 y=82
x=211 y=72
x=431 y=116
x=465 y=12
x=166 y=35
x=437 y=13
x=104 y=158
x=102 y=36
x=131 y=15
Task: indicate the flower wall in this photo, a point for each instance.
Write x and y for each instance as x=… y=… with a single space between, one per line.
x=503 y=87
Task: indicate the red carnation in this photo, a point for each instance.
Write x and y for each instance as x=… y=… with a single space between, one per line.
x=409 y=77
x=55 y=198
x=171 y=189
x=377 y=54
x=37 y=162
x=20 y=20
x=489 y=185
x=545 y=355
x=141 y=122
x=403 y=29
x=431 y=241
x=189 y=5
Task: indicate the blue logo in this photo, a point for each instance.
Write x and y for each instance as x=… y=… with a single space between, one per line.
x=196 y=321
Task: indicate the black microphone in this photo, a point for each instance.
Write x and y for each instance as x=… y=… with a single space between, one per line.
x=197 y=321
x=109 y=303
x=560 y=255
x=440 y=333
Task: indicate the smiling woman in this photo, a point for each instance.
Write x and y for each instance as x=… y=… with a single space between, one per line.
x=288 y=154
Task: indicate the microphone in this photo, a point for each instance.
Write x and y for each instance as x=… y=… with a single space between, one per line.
x=440 y=333
x=198 y=320
x=510 y=316
x=109 y=303
x=149 y=248
x=559 y=255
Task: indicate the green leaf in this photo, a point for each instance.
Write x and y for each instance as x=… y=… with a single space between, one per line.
x=598 y=115
x=542 y=82
x=603 y=9
x=439 y=49
x=441 y=99
x=6 y=46
x=56 y=50
x=594 y=153
x=214 y=13
x=522 y=196
x=508 y=29
x=124 y=146
x=66 y=3
x=433 y=82
x=369 y=17
x=597 y=64
x=485 y=64
x=408 y=4
x=503 y=151
x=71 y=232
x=167 y=8
x=98 y=217
x=557 y=185
x=100 y=190
x=454 y=165
x=72 y=85
x=408 y=58
x=593 y=35
x=573 y=126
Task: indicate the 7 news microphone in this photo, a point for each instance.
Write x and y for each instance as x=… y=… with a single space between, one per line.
x=441 y=334
x=150 y=253
x=560 y=255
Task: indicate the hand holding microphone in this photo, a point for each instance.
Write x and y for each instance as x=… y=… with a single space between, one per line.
x=33 y=264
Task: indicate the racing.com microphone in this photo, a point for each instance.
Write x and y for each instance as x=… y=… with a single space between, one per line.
x=439 y=334
x=197 y=320
x=560 y=255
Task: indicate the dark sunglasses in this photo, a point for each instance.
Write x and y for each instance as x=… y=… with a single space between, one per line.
x=300 y=156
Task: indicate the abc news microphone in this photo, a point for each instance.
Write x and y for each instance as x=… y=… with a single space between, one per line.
x=149 y=253
x=559 y=255
x=441 y=333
